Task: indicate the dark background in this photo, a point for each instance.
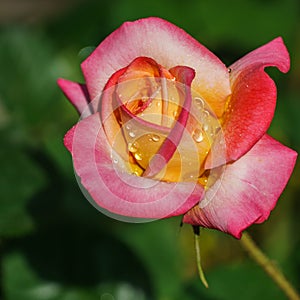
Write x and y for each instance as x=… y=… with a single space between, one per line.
x=53 y=243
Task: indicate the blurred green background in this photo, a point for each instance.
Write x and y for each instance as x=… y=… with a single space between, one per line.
x=53 y=243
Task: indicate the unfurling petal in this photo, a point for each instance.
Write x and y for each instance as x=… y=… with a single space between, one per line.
x=113 y=188
x=248 y=189
x=251 y=106
x=77 y=94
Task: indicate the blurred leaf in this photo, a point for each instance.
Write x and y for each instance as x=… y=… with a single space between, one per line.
x=229 y=28
x=156 y=244
x=85 y=52
x=20 y=178
x=72 y=263
x=55 y=148
x=28 y=89
x=241 y=281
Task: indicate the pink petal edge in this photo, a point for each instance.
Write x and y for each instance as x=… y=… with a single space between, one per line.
x=253 y=100
x=169 y=46
x=117 y=191
x=248 y=190
x=77 y=94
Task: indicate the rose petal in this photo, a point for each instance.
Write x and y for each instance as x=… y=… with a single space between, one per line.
x=273 y=53
x=185 y=76
x=77 y=94
x=169 y=46
x=116 y=191
x=248 y=190
x=252 y=104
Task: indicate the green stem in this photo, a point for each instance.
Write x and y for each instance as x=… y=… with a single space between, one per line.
x=198 y=256
x=269 y=267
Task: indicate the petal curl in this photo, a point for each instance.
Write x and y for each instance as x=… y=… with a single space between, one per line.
x=113 y=189
x=77 y=94
x=248 y=190
x=169 y=46
x=168 y=148
x=251 y=107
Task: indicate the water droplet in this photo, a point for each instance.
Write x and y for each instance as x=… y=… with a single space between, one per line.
x=206 y=113
x=205 y=127
x=155 y=138
x=158 y=103
x=199 y=102
x=175 y=113
x=115 y=160
x=198 y=135
x=131 y=134
x=138 y=156
x=203 y=180
x=229 y=70
x=128 y=127
x=133 y=147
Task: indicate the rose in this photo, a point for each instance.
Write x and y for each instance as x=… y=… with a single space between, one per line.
x=166 y=129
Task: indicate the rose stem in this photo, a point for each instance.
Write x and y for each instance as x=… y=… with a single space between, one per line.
x=196 y=230
x=268 y=266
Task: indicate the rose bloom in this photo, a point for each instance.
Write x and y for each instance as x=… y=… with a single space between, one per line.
x=167 y=129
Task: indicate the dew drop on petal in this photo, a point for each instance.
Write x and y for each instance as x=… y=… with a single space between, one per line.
x=199 y=102
x=203 y=180
x=138 y=156
x=198 y=135
x=132 y=147
x=206 y=113
x=155 y=138
x=131 y=134
x=205 y=127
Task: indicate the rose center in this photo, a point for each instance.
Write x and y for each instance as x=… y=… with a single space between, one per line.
x=165 y=130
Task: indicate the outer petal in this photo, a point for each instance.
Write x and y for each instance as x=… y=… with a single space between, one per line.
x=77 y=94
x=248 y=190
x=113 y=189
x=252 y=104
x=169 y=46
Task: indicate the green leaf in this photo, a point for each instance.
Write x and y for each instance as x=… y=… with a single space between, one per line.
x=85 y=52
x=20 y=179
x=156 y=244
x=21 y=282
x=240 y=281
